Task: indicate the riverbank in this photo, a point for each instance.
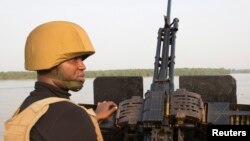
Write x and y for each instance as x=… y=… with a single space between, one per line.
x=22 y=75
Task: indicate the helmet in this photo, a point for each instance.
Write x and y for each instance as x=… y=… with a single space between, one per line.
x=54 y=42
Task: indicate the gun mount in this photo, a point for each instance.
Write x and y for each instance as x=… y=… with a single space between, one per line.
x=163 y=113
x=190 y=113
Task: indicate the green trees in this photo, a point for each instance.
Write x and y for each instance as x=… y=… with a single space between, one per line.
x=126 y=72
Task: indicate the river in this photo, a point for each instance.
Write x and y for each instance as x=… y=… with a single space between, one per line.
x=13 y=92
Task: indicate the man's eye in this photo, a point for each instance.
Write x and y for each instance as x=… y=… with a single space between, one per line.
x=78 y=58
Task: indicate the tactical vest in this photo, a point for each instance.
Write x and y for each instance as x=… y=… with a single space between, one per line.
x=18 y=127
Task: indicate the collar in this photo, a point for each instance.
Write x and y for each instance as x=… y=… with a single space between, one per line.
x=51 y=90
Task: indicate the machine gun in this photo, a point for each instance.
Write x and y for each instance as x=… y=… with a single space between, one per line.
x=152 y=116
x=163 y=113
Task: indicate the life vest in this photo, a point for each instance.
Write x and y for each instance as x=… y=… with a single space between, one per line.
x=18 y=127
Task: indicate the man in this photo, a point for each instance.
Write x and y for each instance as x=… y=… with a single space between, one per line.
x=56 y=50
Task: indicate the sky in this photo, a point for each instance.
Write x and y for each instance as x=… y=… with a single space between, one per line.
x=212 y=33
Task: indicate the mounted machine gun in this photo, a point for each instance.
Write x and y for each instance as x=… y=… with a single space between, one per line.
x=164 y=114
x=163 y=111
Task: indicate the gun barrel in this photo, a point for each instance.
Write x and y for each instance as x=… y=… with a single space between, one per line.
x=168 y=12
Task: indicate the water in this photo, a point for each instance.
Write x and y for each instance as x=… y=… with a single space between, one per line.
x=13 y=92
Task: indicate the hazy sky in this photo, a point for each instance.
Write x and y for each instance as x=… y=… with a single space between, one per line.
x=212 y=33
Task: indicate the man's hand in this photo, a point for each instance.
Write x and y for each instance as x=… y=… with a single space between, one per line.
x=105 y=109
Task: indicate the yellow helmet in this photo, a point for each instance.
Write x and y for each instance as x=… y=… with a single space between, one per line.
x=54 y=42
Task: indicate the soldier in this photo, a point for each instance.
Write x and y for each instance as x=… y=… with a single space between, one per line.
x=56 y=50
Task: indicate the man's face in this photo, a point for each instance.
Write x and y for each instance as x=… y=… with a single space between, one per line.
x=71 y=74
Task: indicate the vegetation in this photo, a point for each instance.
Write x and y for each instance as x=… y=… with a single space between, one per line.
x=129 y=72
x=240 y=71
x=17 y=75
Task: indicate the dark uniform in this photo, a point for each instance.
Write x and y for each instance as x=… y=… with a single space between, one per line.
x=63 y=121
